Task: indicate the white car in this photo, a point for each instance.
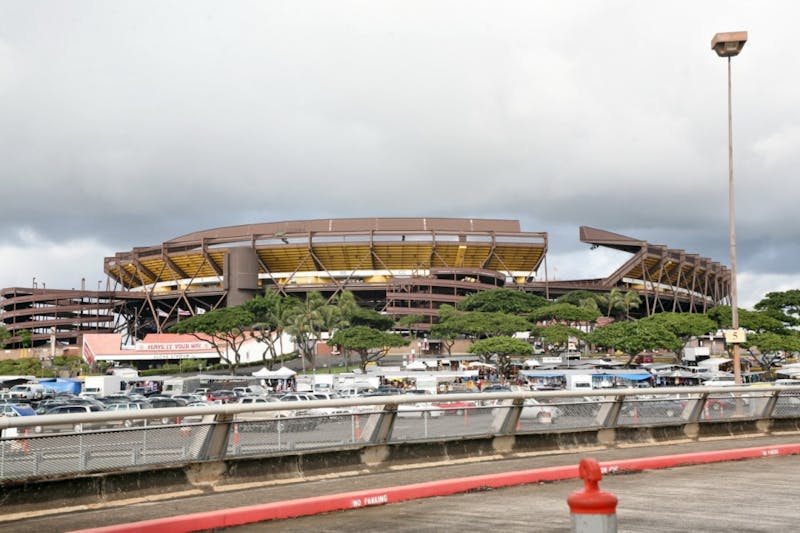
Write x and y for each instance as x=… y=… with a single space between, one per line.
x=532 y=409
x=543 y=413
x=417 y=410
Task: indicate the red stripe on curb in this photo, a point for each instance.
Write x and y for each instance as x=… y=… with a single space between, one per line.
x=365 y=498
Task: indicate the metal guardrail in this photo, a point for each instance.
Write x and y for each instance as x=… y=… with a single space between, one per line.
x=63 y=445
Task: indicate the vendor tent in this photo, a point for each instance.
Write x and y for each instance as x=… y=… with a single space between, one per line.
x=281 y=373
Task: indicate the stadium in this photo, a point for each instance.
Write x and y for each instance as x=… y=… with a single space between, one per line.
x=399 y=266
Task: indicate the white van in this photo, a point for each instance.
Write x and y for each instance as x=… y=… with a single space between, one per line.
x=720 y=381
x=787 y=382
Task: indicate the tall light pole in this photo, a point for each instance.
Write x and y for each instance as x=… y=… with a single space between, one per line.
x=729 y=45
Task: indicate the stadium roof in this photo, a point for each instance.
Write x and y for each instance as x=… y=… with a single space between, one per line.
x=338 y=245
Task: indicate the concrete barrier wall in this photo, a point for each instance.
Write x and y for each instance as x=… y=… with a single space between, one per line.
x=206 y=477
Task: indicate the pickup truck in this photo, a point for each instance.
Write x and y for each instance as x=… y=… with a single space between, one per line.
x=27 y=391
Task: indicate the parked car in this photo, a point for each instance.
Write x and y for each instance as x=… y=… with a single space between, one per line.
x=126 y=407
x=458 y=407
x=269 y=421
x=418 y=410
x=161 y=401
x=113 y=398
x=190 y=398
x=224 y=395
x=542 y=413
x=248 y=391
x=29 y=392
x=13 y=410
x=653 y=408
x=16 y=409
x=532 y=409
x=46 y=405
x=257 y=399
x=496 y=388
x=76 y=427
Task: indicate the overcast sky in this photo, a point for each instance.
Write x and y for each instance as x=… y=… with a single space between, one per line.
x=126 y=124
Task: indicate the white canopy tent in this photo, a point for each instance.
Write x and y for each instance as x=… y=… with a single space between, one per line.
x=281 y=373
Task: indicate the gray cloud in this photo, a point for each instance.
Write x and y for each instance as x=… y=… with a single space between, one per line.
x=128 y=123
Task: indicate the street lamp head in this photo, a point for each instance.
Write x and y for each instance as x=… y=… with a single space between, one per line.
x=729 y=44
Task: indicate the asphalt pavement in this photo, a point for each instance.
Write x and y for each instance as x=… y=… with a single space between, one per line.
x=761 y=489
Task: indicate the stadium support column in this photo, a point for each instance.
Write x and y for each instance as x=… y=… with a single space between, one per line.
x=241 y=275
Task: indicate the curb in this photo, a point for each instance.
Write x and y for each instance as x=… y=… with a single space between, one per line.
x=365 y=498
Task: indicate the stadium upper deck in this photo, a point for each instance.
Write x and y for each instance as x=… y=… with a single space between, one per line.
x=332 y=251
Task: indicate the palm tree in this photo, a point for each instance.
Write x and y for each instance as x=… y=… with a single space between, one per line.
x=631 y=300
x=614 y=302
x=306 y=324
x=272 y=313
x=590 y=304
x=345 y=301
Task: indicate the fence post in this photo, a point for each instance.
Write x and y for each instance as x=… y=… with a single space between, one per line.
x=591 y=509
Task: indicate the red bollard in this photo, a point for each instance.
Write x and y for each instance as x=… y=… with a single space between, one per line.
x=591 y=509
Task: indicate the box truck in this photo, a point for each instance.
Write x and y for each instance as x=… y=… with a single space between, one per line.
x=102 y=385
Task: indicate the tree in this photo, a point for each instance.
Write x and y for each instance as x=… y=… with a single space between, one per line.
x=345 y=301
x=754 y=321
x=481 y=324
x=370 y=344
x=409 y=322
x=25 y=338
x=272 y=313
x=783 y=306
x=590 y=304
x=633 y=337
x=564 y=312
x=683 y=325
x=503 y=348
x=447 y=329
x=4 y=335
x=501 y=300
x=619 y=304
x=371 y=319
x=306 y=324
x=579 y=297
x=770 y=345
x=556 y=335
x=630 y=301
x=228 y=328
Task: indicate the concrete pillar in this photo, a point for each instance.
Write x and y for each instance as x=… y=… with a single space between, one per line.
x=240 y=275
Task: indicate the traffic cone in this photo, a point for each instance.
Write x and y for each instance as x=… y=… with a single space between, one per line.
x=357 y=428
x=236 y=434
x=591 y=509
x=25 y=448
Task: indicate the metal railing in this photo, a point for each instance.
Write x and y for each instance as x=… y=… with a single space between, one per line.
x=64 y=445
